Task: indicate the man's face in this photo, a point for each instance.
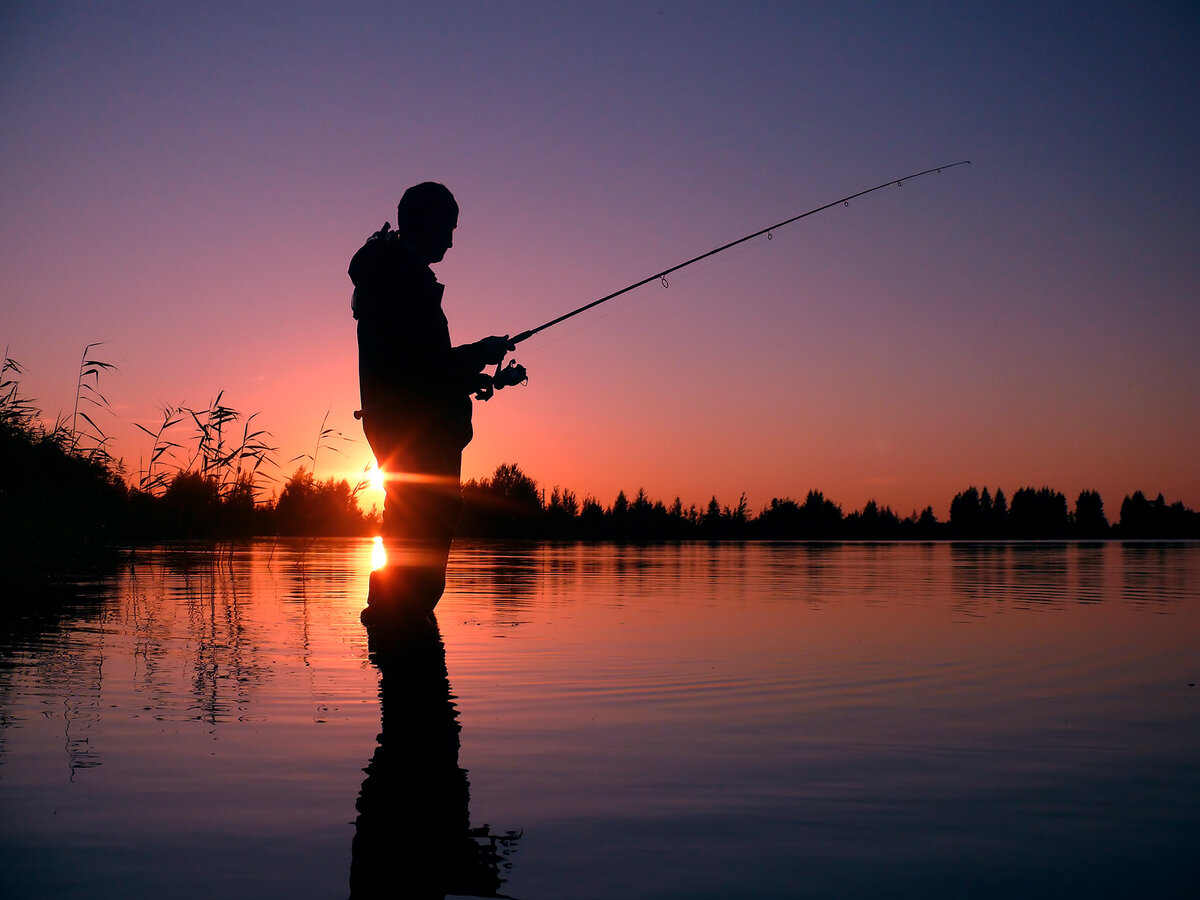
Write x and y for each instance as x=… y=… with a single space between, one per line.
x=440 y=239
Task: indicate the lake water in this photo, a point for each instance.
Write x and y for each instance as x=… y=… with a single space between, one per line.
x=769 y=720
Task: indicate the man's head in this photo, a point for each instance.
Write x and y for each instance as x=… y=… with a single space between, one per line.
x=426 y=218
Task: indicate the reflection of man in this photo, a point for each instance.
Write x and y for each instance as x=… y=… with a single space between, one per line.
x=413 y=835
x=416 y=397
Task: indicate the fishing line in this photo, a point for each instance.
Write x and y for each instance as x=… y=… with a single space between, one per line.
x=679 y=293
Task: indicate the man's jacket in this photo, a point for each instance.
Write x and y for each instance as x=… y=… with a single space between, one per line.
x=415 y=387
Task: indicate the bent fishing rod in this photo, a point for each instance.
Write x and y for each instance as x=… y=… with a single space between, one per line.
x=515 y=374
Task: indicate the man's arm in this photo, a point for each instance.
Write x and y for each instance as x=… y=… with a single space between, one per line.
x=470 y=359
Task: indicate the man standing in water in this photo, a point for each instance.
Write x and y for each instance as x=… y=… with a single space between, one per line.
x=416 y=399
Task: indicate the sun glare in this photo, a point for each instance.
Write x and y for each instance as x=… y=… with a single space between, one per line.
x=375 y=478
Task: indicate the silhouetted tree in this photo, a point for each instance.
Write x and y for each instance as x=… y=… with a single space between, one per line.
x=1090 y=521
x=999 y=513
x=646 y=520
x=310 y=508
x=985 y=504
x=562 y=513
x=1154 y=519
x=966 y=513
x=192 y=506
x=990 y=526
x=734 y=521
x=591 y=519
x=1137 y=516
x=506 y=505
x=781 y=519
x=975 y=514
x=927 y=525
x=1038 y=514
x=873 y=523
x=710 y=522
x=822 y=517
x=618 y=515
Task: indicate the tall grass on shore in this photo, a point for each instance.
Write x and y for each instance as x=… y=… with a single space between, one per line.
x=313 y=508
x=87 y=393
x=63 y=494
x=230 y=462
x=155 y=479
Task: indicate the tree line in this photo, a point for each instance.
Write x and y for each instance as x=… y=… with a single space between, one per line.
x=511 y=504
x=62 y=494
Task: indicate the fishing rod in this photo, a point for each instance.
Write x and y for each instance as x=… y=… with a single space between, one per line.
x=514 y=373
x=661 y=276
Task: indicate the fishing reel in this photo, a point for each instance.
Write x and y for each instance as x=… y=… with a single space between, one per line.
x=504 y=376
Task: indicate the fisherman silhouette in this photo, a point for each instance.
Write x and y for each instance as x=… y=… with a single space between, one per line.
x=416 y=392
x=413 y=834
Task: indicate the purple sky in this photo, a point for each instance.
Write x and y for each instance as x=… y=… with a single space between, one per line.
x=187 y=183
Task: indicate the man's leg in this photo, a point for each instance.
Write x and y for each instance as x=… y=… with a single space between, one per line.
x=421 y=513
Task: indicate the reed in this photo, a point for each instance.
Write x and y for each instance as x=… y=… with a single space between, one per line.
x=150 y=481
x=326 y=437
x=87 y=393
x=228 y=462
x=62 y=497
x=16 y=411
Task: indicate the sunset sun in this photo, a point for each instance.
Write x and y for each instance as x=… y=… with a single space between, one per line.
x=375 y=478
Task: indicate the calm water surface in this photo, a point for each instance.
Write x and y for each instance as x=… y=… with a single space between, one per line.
x=685 y=721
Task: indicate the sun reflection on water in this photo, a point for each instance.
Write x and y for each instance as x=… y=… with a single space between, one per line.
x=378 y=554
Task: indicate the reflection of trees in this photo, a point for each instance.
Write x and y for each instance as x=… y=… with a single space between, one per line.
x=1039 y=573
x=413 y=835
x=510 y=574
x=1092 y=577
x=1152 y=575
x=978 y=575
x=214 y=585
x=1047 y=573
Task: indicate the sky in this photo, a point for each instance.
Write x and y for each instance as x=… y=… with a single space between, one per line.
x=186 y=183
